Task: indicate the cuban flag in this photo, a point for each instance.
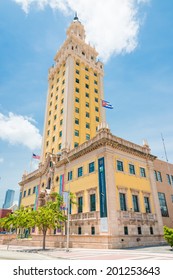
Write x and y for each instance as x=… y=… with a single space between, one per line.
x=107 y=104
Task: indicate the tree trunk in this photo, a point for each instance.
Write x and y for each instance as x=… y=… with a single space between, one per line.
x=44 y=239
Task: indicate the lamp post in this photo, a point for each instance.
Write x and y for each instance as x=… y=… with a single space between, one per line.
x=68 y=209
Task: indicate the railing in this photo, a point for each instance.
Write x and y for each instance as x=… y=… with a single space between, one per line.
x=84 y=216
x=129 y=215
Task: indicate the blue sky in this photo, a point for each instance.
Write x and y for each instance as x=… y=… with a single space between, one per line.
x=136 y=46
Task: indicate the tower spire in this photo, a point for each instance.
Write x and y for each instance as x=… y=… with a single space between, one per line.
x=76 y=17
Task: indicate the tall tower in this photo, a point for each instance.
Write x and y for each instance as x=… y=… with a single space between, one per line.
x=9 y=198
x=74 y=109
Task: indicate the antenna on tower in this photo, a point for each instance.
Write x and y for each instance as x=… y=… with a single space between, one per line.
x=166 y=155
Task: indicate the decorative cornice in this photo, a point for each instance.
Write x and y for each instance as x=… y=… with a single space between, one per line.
x=104 y=138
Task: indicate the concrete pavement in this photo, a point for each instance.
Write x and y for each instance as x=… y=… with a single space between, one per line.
x=25 y=253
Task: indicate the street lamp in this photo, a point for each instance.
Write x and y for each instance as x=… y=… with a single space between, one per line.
x=68 y=210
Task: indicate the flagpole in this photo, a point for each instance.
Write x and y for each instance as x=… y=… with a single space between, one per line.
x=169 y=172
x=31 y=164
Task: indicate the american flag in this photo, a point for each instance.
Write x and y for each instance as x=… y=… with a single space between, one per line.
x=35 y=156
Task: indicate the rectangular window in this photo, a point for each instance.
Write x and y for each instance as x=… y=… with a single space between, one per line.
x=56 y=97
x=135 y=203
x=76 y=144
x=168 y=179
x=76 y=121
x=77 y=81
x=86 y=68
x=62 y=91
x=123 y=206
x=92 y=230
x=86 y=85
x=77 y=99
x=53 y=138
x=87 y=95
x=147 y=205
x=87 y=125
x=95 y=74
x=61 y=121
x=59 y=146
x=91 y=167
x=24 y=194
x=70 y=175
x=120 y=165
x=63 y=82
x=86 y=77
x=92 y=202
x=87 y=137
x=155 y=174
x=60 y=133
x=172 y=179
x=142 y=172
x=139 y=230
x=95 y=82
x=79 y=230
x=131 y=169
x=55 y=116
x=77 y=90
x=77 y=63
x=62 y=111
x=159 y=176
x=96 y=109
x=80 y=172
x=87 y=115
x=151 y=231
x=97 y=119
x=96 y=100
x=126 y=230
x=54 y=127
x=163 y=205
x=95 y=90
x=77 y=71
x=34 y=190
x=29 y=191
x=87 y=104
x=80 y=204
x=76 y=132
x=76 y=109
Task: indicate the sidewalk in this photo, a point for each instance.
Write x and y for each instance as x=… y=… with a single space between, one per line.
x=155 y=253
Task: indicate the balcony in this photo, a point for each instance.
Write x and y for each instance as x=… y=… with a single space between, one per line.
x=85 y=216
x=136 y=216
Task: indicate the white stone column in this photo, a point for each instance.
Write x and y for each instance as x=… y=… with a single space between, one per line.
x=155 y=198
x=44 y=130
x=111 y=193
x=102 y=109
x=68 y=119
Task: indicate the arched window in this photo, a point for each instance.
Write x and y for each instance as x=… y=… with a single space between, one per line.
x=49 y=184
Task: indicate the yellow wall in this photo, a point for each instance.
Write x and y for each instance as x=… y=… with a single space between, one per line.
x=134 y=182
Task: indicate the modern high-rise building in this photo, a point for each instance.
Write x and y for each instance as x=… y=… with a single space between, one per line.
x=9 y=198
x=75 y=91
x=113 y=180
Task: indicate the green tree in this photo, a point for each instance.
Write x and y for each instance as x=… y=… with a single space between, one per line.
x=168 y=235
x=49 y=216
x=20 y=219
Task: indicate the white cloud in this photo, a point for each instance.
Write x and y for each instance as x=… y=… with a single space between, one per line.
x=18 y=129
x=112 y=25
x=1 y=160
